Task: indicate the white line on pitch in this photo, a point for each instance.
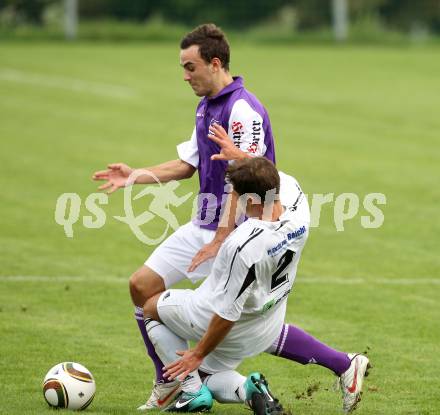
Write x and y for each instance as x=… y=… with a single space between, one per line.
x=71 y=279
x=300 y=280
x=71 y=84
x=379 y=281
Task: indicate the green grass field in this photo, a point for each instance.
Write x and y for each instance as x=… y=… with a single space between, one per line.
x=345 y=120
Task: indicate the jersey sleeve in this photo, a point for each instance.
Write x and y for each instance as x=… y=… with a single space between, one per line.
x=188 y=151
x=290 y=191
x=231 y=295
x=246 y=129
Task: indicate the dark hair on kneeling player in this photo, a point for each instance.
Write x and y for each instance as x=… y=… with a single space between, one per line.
x=256 y=175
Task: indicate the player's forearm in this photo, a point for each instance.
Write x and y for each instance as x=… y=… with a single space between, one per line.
x=228 y=218
x=217 y=330
x=221 y=234
x=165 y=172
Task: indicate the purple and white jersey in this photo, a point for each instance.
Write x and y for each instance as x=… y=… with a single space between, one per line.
x=246 y=120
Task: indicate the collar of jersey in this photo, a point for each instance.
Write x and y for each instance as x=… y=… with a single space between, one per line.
x=236 y=84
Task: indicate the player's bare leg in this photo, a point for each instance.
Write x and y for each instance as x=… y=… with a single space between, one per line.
x=144 y=284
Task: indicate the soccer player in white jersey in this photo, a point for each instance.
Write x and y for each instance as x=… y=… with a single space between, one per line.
x=239 y=309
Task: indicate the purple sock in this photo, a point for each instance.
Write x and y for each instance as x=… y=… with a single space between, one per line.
x=139 y=316
x=295 y=344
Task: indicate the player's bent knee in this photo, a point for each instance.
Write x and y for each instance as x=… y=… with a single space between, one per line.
x=135 y=282
x=144 y=284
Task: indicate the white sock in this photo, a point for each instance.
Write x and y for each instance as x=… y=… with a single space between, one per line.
x=227 y=386
x=166 y=343
x=192 y=383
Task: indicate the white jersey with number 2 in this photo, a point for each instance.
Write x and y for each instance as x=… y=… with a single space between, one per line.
x=253 y=275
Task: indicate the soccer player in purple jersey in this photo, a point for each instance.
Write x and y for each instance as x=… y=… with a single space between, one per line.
x=189 y=252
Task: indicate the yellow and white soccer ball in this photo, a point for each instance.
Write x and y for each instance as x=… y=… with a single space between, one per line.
x=69 y=385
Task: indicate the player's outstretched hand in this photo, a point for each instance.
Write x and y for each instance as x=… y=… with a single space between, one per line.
x=208 y=251
x=181 y=368
x=116 y=176
x=228 y=149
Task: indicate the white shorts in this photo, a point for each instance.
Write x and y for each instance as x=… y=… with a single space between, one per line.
x=173 y=256
x=171 y=308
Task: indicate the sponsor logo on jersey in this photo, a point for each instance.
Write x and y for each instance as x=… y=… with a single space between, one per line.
x=290 y=237
x=297 y=233
x=237 y=132
x=236 y=126
x=274 y=301
x=276 y=248
x=211 y=123
x=268 y=306
x=256 y=135
x=252 y=148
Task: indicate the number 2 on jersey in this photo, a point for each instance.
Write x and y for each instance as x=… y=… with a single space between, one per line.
x=283 y=263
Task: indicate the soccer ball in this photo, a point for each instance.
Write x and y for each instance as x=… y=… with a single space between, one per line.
x=69 y=385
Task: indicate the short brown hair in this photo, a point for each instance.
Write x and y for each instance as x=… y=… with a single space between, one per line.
x=255 y=175
x=212 y=43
